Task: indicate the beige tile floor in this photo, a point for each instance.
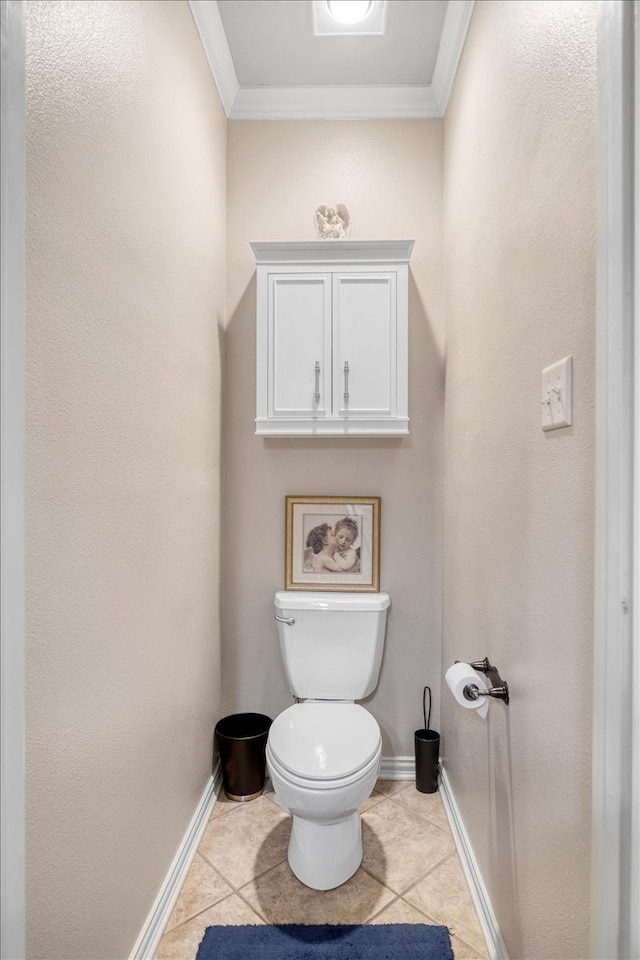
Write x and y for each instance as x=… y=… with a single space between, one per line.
x=410 y=873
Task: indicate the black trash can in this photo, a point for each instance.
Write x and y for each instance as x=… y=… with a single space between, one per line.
x=242 y=740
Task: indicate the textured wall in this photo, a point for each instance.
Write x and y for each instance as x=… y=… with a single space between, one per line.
x=520 y=137
x=124 y=294
x=389 y=174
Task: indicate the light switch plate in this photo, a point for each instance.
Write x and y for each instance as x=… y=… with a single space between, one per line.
x=556 y=394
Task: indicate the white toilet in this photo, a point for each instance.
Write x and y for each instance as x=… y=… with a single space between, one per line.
x=323 y=753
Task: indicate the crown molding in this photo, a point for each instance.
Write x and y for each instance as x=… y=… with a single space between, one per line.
x=214 y=41
x=454 y=34
x=332 y=102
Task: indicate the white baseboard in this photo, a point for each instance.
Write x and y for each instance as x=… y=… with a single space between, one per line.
x=486 y=918
x=397 y=768
x=151 y=933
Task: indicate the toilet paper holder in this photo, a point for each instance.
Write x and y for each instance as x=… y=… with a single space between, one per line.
x=499 y=688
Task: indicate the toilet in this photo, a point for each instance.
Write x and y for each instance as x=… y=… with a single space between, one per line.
x=323 y=752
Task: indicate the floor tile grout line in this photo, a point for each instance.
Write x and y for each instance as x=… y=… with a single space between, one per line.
x=423 y=876
x=226 y=879
x=397 y=893
x=233 y=890
x=423 y=816
x=255 y=876
x=213 y=867
x=230 y=806
x=390 y=796
x=199 y=913
x=414 y=882
x=381 y=882
x=233 y=887
x=451 y=856
x=407 y=809
x=427 y=916
x=261 y=876
x=262 y=873
x=382 y=909
x=212 y=903
x=251 y=907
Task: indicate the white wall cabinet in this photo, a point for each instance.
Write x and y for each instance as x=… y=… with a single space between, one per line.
x=332 y=319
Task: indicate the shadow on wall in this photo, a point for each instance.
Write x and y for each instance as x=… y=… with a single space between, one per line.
x=252 y=536
x=426 y=376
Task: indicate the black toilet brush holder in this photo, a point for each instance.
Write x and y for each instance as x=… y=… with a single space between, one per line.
x=427 y=751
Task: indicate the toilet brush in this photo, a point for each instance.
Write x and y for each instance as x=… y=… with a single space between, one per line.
x=427 y=749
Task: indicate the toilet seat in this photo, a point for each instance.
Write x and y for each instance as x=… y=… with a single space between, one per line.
x=319 y=786
x=324 y=743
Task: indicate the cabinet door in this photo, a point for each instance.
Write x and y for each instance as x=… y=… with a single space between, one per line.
x=299 y=345
x=364 y=344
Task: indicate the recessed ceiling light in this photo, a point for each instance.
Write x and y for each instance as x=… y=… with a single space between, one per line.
x=349 y=11
x=335 y=18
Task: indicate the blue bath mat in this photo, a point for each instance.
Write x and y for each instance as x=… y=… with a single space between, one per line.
x=292 y=941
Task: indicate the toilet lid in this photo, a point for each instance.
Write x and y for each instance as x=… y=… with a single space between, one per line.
x=324 y=741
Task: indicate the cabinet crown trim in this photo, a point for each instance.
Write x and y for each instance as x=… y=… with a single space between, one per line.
x=332 y=251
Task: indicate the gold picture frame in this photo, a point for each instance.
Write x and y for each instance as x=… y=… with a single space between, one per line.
x=332 y=543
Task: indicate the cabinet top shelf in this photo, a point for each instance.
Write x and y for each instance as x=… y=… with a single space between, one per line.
x=332 y=251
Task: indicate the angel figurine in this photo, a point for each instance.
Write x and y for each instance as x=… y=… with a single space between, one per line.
x=333 y=223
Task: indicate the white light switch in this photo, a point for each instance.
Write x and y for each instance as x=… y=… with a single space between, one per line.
x=556 y=394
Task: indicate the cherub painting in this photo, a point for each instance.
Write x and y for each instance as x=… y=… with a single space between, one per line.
x=333 y=548
x=332 y=543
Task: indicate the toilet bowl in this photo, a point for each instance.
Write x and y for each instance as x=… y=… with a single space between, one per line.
x=323 y=753
x=323 y=758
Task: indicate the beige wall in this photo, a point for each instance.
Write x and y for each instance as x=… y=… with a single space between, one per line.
x=519 y=295
x=125 y=295
x=389 y=174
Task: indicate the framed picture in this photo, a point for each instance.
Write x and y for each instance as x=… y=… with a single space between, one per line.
x=332 y=543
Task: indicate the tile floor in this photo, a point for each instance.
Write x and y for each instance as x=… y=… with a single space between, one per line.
x=410 y=873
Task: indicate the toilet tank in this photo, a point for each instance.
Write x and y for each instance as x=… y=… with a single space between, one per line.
x=333 y=648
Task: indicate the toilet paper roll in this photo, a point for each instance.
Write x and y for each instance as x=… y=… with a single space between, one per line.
x=459 y=676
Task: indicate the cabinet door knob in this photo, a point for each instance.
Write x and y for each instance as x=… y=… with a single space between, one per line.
x=316 y=395
x=346 y=382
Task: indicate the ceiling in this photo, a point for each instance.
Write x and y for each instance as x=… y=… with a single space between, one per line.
x=272 y=44
x=269 y=64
